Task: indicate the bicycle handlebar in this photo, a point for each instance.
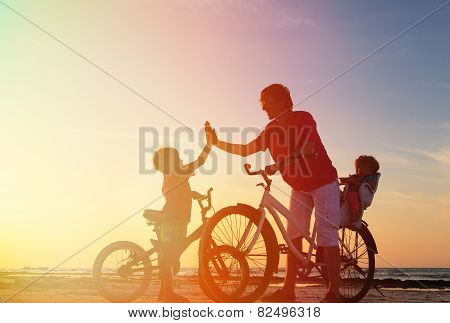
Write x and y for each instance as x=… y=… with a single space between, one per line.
x=209 y=197
x=205 y=197
x=247 y=167
x=264 y=174
x=261 y=172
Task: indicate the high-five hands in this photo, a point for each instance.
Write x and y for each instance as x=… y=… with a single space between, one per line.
x=211 y=136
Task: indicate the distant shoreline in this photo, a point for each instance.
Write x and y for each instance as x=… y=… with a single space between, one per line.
x=379 y=283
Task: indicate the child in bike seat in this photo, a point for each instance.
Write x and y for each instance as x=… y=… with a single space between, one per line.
x=366 y=172
x=176 y=211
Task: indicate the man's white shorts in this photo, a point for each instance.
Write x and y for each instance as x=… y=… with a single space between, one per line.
x=326 y=201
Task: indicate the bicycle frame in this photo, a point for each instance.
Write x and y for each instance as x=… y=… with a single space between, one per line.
x=274 y=207
x=185 y=243
x=194 y=235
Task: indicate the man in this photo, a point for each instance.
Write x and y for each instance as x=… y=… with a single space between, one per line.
x=313 y=181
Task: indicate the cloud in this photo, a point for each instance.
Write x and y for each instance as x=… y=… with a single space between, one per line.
x=439 y=125
x=280 y=16
x=418 y=200
x=256 y=7
x=445 y=85
x=288 y=20
x=441 y=156
x=394 y=159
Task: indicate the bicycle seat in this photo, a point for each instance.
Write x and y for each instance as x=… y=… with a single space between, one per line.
x=154 y=216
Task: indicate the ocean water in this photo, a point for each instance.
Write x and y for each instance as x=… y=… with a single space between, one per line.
x=432 y=274
x=413 y=273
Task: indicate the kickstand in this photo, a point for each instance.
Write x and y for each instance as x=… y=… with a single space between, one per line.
x=375 y=287
x=379 y=291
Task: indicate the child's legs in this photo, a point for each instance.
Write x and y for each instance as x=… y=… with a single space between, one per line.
x=165 y=258
x=179 y=234
x=173 y=235
x=354 y=204
x=166 y=276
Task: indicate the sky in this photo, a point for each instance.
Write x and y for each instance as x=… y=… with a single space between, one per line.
x=69 y=132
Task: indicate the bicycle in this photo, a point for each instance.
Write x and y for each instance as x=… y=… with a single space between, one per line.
x=246 y=230
x=123 y=270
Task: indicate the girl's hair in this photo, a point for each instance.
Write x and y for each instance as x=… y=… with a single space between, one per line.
x=369 y=161
x=164 y=159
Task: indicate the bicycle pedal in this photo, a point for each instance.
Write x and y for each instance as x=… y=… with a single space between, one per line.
x=307 y=265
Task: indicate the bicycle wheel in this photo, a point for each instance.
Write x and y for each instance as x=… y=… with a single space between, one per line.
x=227 y=228
x=357 y=264
x=122 y=272
x=204 y=287
x=203 y=282
x=229 y=271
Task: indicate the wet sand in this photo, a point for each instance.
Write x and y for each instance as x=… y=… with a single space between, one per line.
x=82 y=290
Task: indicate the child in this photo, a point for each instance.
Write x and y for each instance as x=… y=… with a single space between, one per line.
x=177 y=210
x=366 y=172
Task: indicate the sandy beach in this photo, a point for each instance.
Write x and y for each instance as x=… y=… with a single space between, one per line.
x=82 y=290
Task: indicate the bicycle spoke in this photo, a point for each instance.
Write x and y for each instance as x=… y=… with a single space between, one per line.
x=217 y=238
x=245 y=272
x=354 y=264
x=224 y=231
x=231 y=229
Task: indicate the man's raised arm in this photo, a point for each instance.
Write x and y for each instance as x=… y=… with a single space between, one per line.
x=236 y=149
x=243 y=150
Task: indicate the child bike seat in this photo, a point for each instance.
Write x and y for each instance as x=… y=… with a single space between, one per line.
x=154 y=216
x=366 y=195
x=367 y=192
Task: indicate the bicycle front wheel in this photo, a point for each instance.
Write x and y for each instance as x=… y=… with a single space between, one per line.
x=122 y=272
x=223 y=249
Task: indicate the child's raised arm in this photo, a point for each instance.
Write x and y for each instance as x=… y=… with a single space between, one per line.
x=191 y=167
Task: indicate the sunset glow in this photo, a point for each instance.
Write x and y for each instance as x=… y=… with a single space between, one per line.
x=69 y=134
